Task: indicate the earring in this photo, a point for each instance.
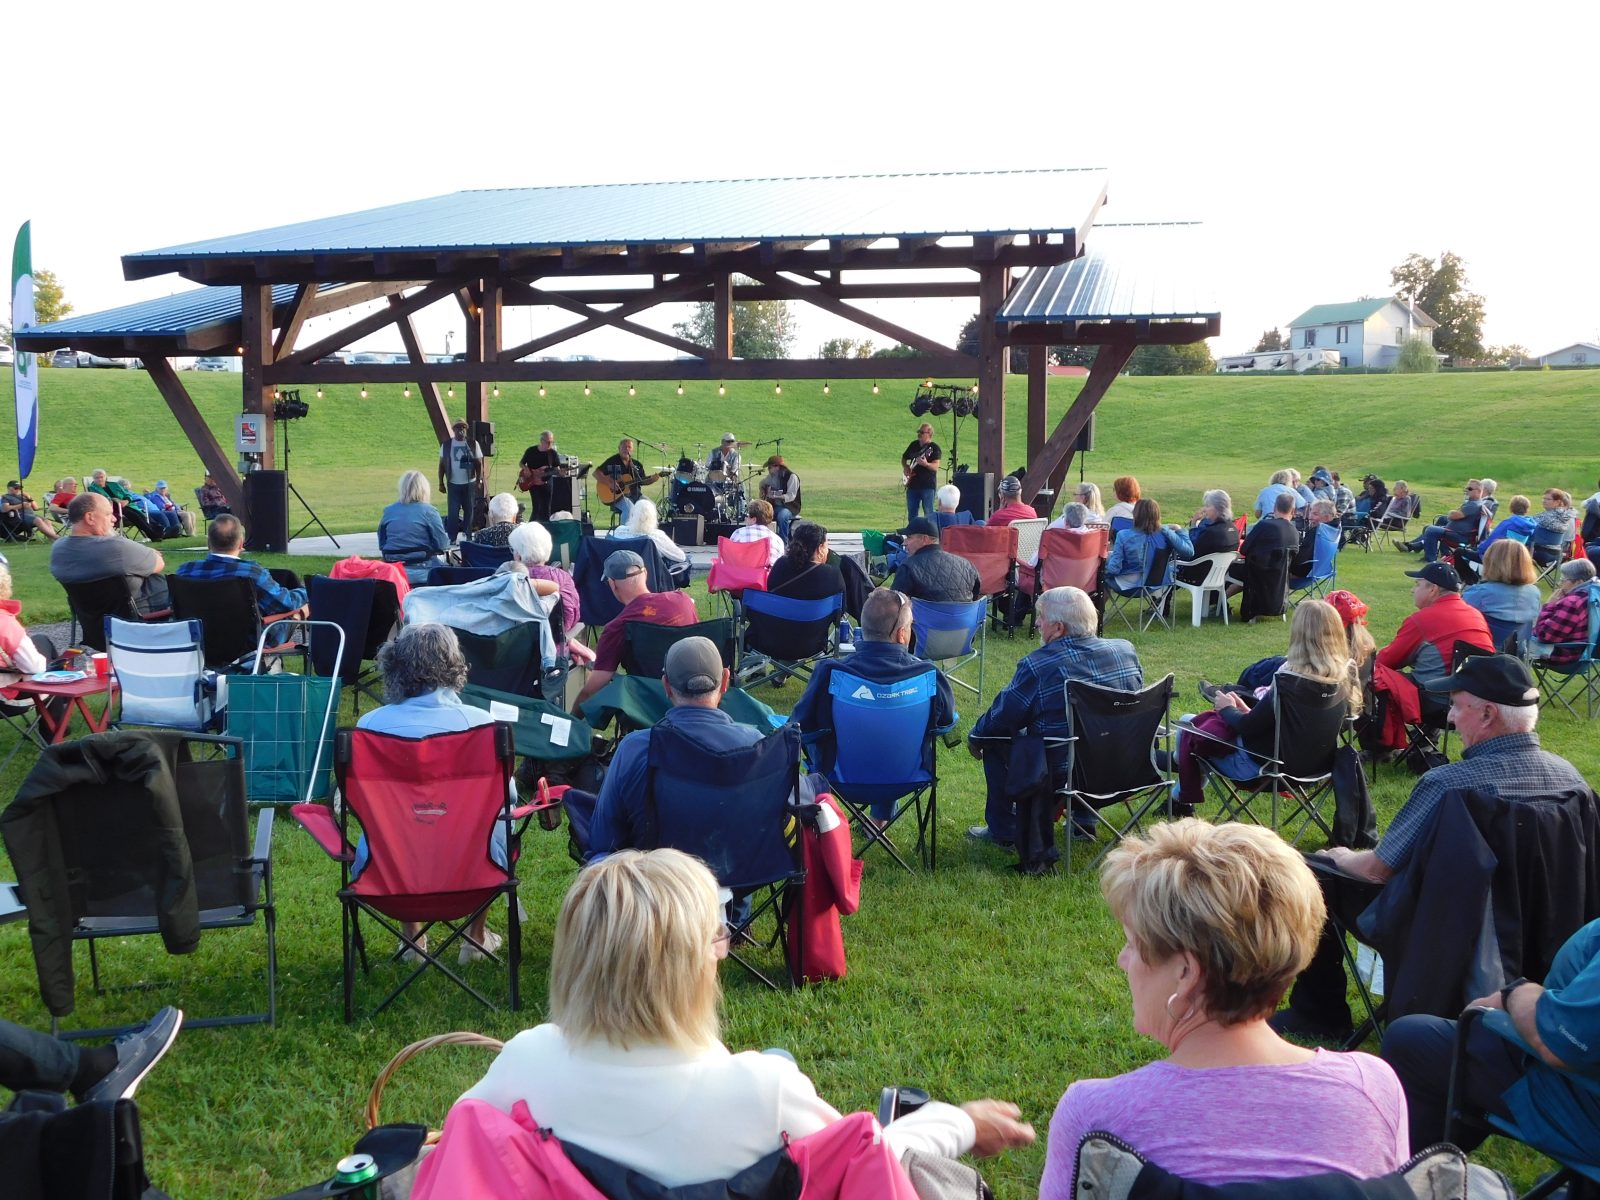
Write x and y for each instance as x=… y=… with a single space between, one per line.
x=1177 y=1019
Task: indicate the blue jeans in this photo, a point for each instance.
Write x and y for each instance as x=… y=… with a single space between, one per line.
x=919 y=498
x=785 y=519
x=623 y=508
x=1430 y=540
x=34 y=1061
x=459 y=500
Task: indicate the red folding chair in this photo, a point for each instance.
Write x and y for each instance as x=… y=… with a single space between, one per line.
x=427 y=807
x=994 y=553
x=1071 y=559
x=738 y=565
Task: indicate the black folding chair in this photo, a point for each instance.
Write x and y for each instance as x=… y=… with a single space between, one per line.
x=92 y=601
x=230 y=618
x=1112 y=756
x=645 y=644
x=368 y=610
x=599 y=606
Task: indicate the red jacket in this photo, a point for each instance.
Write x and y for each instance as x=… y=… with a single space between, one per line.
x=1405 y=706
x=832 y=887
x=1426 y=639
x=356 y=567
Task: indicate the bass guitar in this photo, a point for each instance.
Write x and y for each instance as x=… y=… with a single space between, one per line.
x=529 y=478
x=611 y=489
x=909 y=466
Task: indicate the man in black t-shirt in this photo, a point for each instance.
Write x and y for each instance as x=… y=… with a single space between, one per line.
x=920 y=467
x=544 y=455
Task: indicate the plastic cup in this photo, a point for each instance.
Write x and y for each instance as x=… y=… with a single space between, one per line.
x=102 y=665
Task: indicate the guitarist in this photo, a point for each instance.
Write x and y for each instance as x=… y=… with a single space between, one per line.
x=536 y=475
x=919 y=466
x=625 y=477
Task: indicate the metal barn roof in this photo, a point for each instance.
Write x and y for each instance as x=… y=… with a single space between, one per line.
x=166 y=316
x=1354 y=313
x=729 y=210
x=1127 y=272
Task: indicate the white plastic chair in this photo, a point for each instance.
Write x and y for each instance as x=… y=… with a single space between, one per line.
x=1216 y=581
x=1028 y=531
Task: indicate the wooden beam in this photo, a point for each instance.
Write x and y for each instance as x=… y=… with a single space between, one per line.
x=429 y=390
x=1056 y=455
x=615 y=320
x=518 y=293
x=841 y=249
x=194 y=426
x=488 y=346
x=994 y=358
x=911 y=249
x=949 y=367
x=1100 y=333
x=1038 y=400
x=820 y=295
x=332 y=300
x=368 y=324
x=639 y=301
x=255 y=335
x=298 y=313
x=722 y=318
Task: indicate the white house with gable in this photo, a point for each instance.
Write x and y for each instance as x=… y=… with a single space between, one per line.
x=1579 y=354
x=1364 y=333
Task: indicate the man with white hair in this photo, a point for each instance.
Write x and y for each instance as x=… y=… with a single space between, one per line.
x=1494 y=706
x=502 y=520
x=541 y=460
x=727 y=460
x=948 y=499
x=1035 y=700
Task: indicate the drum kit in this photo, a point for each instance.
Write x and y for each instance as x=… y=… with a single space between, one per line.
x=716 y=494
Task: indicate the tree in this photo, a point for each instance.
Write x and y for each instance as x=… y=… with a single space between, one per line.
x=845 y=348
x=1513 y=355
x=49 y=302
x=898 y=350
x=1270 y=340
x=1075 y=355
x=1191 y=359
x=1416 y=358
x=1441 y=290
x=761 y=328
x=969 y=340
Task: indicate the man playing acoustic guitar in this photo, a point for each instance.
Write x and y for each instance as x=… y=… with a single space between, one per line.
x=919 y=466
x=619 y=478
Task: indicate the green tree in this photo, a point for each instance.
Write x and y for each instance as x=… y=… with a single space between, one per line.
x=898 y=350
x=968 y=341
x=845 y=348
x=1270 y=340
x=1191 y=359
x=1512 y=355
x=1441 y=289
x=49 y=301
x=1074 y=355
x=761 y=328
x=1417 y=357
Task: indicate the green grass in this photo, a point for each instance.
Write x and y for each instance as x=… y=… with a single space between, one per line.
x=970 y=982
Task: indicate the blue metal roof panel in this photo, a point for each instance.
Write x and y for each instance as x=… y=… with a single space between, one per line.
x=726 y=210
x=1126 y=272
x=166 y=316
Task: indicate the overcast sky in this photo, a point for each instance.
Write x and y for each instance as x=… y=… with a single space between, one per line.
x=1319 y=144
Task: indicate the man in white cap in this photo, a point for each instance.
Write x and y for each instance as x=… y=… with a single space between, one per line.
x=460 y=466
x=726 y=459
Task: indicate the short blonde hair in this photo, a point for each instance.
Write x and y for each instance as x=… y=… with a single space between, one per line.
x=634 y=959
x=414 y=489
x=1235 y=896
x=1508 y=562
x=5 y=582
x=759 y=511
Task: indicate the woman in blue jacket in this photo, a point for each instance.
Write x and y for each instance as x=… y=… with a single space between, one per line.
x=1125 y=569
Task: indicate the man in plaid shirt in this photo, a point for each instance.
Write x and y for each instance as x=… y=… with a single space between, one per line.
x=225 y=540
x=1035 y=701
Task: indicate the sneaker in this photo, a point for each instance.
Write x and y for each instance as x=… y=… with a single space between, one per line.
x=980 y=833
x=1208 y=691
x=492 y=942
x=137 y=1052
x=412 y=954
x=1297 y=1024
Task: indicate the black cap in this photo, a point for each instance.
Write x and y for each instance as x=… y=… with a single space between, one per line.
x=14 y=483
x=1440 y=574
x=923 y=526
x=1500 y=678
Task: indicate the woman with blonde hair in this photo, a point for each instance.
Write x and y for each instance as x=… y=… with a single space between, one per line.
x=1088 y=495
x=410 y=531
x=631 y=1064
x=1508 y=597
x=1217 y=922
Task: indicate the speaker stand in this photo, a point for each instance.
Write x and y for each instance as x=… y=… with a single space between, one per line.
x=304 y=503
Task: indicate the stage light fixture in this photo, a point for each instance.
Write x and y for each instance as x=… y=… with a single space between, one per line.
x=966 y=406
x=921 y=405
x=940 y=405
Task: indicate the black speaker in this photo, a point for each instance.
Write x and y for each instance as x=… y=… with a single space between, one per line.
x=716 y=529
x=687 y=531
x=563 y=494
x=976 y=490
x=266 y=493
x=1085 y=441
x=483 y=434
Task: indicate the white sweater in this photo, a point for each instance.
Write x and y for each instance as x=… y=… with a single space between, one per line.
x=681 y=1116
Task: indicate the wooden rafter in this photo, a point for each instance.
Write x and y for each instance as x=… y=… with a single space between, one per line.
x=1056 y=455
x=306 y=293
x=947 y=366
x=368 y=324
x=821 y=295
x=594 y=319
x=199 y=433
x=610 y=317
x=428 y=389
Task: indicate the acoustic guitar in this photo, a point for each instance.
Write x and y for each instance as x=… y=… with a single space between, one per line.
x=611 y=489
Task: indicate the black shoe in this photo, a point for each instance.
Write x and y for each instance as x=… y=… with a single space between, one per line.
x=1296 y=1024
x=1208 y=691
x=1182 y=808
x=1081 y=833
x=980 y=833
x=137 y=1052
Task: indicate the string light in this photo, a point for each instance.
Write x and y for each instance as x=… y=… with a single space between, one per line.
x=874 y=387
x=825 y=389
x=496 y=391
x=274 y=393
x=586 y=389
x=927 y=382
x=632 y=391
x=777 y=389
x=451 y=391
x=722 y=390
x=363 y=391
x=319 y=393
x=406 y=391
x=680 y=389
x=974 y=389
x=541 y=391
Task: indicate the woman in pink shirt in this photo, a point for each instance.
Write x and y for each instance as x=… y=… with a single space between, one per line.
x=1219 y=920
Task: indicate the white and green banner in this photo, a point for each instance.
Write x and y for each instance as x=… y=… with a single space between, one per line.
x=25 y=368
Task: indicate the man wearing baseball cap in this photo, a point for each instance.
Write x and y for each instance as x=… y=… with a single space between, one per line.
x=20 y=512
x=1494 y=706
x=695 y=679
x=624 y=573
x=460 y=465
x=931 y=573
x=1426 y=640
x=1009 y=494
x=725 y=459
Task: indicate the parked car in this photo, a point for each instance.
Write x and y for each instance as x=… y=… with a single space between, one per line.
x=210 y=363
x=368 y=358
x=64 y=358
x=7 y=356
x=336 y=358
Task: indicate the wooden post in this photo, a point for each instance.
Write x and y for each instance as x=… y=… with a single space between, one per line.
x=1038 y=398
x=255 y=333
x=488 y=346
x=212 y=455
x=722 y=317
x=1051 y=463
x=994 y=360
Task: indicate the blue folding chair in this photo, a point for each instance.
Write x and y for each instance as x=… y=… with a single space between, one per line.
x=1118 y=524
x=788 y=634
x=882 y=735
x=161 y=674
x=451 y=576
x=1324 y=567
x=732 y=809
x=483 y=557
x=952 y=634
x=599 y=606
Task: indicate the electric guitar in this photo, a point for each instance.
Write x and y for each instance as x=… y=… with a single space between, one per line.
x=908 y=467
x=529 y=478
x=610 y=488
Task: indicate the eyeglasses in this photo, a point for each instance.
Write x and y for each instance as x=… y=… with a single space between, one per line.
x=721 y=943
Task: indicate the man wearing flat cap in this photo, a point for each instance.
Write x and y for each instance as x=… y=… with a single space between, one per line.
x=624 y=573
x=1494 y=706
x=930 y=572
x=695 y=680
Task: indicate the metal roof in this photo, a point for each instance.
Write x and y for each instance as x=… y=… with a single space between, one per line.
x=979 y=203
x=164 y=317
x=1354 y=312
x=1126 y=272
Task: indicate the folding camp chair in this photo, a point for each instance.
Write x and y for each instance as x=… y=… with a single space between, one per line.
x=451 y=576
x=993 y=552
x=1029 y=531
x=511 y=660
x=93 y=601
x=953 y=634
x=368 y=610
x=1309 y=721
x=645 y=644
x=1324 y=568
x=600 y=607
x=1578 y=679
x=883 y=763
x=737 y=567
x=1111 y=756
x=787 y=634
x=133 y=880
x=873 y=544
x=639 y=702
x=732 y=809
x=1210 y=595
x=428 y=808
x=162 y=677
x=1153 y=596
x=230 y=619
x=565 y=539
x=539 y=729
x=484 y=558
x=1071 y=559
x=1575 y=1179
x=287 y=723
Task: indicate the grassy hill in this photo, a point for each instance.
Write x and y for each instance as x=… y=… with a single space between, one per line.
x=970 y=982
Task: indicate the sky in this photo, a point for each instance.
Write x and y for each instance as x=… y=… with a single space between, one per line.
x=1318 y=145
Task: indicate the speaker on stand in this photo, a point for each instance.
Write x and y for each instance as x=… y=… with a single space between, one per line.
x=266 y=493
x=977 y=490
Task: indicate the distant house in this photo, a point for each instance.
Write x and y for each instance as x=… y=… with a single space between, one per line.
x=1579 y=354
x=1365 y=333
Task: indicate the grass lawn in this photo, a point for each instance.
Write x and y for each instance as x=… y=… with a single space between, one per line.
x=969 y=982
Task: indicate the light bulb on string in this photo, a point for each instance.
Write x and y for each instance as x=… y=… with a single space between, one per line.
x=274 y=393
x=722 y=389
x=974 y=389
x=406 y=391
x=826 y=390
x=319 y=393
x=874 y=387
x=496 y=392
x=586 y=389
x=363 y=391
x=632 y=391
x=680 y=389
x=777 y=389
x=541 y=391
x=450 y=391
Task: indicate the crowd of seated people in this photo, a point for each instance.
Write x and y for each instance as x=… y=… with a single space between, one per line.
x=1128 y=564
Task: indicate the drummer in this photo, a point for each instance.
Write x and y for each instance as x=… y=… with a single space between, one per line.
x=685 y=475
x=725 y=463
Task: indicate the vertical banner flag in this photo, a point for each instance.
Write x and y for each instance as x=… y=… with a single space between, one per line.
x=25 y=366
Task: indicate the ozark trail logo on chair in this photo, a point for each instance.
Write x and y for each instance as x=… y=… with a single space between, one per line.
x=428 y=812
x=862 y=693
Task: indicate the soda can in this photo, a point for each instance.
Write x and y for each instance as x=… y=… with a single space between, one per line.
x=357 y=1169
